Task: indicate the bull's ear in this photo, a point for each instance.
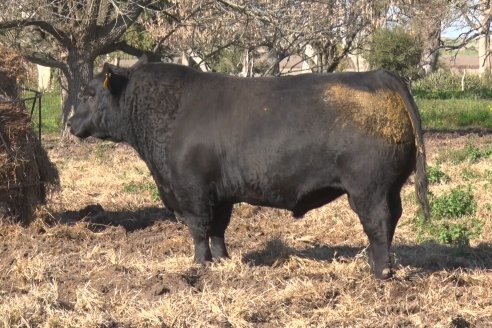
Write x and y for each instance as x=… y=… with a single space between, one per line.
x=118 y=70
x=114 y=82
x=141 y=61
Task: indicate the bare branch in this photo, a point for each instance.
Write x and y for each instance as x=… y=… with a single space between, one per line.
x=46 y=26
x=129 y=49
x=45 y=60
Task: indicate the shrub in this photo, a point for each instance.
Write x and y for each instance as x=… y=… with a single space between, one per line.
x=436 y=175
x=444 y=84
x=228 y=61
x=394 y=50
x=455 y=204
x=452 y=219
x=437 y=81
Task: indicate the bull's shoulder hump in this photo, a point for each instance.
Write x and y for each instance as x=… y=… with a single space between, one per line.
x=161 y=71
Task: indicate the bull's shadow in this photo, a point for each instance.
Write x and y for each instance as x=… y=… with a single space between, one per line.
x=97 y=218
x=422 y=258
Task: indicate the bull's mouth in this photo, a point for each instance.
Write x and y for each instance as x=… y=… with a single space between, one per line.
x=84 y=134
x=79 y=134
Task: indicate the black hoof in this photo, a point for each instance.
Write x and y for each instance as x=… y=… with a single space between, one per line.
x=384 y=274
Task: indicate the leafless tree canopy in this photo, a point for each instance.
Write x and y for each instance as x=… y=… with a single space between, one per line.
x=331 y=28
x=70 y=35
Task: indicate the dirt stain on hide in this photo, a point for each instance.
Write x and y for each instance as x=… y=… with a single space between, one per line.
x=381 y=112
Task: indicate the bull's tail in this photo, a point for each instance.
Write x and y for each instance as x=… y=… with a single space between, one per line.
x=421 y=181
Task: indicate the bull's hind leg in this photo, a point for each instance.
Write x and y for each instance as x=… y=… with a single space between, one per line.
x=221 y=218
x=376 y=219
x=394 y=202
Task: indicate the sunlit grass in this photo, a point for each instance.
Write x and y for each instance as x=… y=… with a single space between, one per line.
x=455 y=113
x=51 y=111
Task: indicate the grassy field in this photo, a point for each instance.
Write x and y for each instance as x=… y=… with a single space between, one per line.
x=50 y=112
x=105 y=253
x=455 y=113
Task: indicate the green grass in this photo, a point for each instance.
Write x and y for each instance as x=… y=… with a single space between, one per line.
x=51 y=109
x=436 y=175
x=469 y=153
x=134 y=187
x=453 y=220
x=453 y=94
x=455 y=113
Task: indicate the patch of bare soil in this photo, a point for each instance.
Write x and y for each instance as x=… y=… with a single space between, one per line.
x=104 y=254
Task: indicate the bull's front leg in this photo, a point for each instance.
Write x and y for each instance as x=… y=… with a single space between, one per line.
x=208 y=233
x=200 y=232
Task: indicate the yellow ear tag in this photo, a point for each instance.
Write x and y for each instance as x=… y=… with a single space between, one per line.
x=106 y=81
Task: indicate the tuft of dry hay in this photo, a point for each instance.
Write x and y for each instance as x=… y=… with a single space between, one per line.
x=14 y=70
x=26 y=172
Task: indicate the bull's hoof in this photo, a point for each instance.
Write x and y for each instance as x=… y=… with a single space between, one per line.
x=384 y=274
x=203 y=259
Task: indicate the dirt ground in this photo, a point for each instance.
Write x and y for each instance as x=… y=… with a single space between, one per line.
x=105 y=253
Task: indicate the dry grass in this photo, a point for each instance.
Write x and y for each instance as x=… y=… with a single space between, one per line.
x=129 y=263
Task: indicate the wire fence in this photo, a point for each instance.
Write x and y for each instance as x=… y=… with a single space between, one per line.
x=35 y=103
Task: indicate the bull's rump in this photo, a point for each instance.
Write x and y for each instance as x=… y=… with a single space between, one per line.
x=275 y=141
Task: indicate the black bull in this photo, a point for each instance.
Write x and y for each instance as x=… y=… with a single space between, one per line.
x=296 y=143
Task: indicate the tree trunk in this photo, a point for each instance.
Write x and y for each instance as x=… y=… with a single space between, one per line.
x=430 y=53
x=80 y=68
x=483 y=53
x=311 y=58
x=484 y=64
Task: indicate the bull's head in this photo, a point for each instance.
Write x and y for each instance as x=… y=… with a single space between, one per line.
x=97 y=114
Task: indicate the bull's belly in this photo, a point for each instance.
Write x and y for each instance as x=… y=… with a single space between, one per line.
x=293 y=200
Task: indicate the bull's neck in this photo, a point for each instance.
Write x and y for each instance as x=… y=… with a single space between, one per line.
x=120 y=124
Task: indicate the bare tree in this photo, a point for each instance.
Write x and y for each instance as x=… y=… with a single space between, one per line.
x=68 y=35
x=473 y=19
x=323 y=32
x=275 y=29
x=427 y=17
x=425 y=20
x=477 y=15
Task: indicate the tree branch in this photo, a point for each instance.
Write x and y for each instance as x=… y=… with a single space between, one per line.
x=58 y=34
x=90 y=23
x=131 y=50
x=114 y=29
x=45 y=60
x=247 y=11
